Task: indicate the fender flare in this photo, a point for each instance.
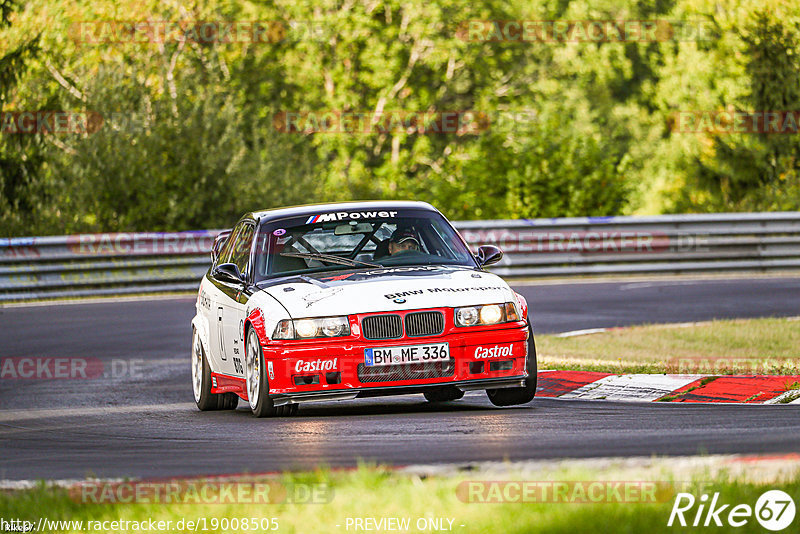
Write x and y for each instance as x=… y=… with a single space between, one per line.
x=523 y=304
x=256 y=320
x=200 y=325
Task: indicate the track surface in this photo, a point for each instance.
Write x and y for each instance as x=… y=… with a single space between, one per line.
x=140 y=420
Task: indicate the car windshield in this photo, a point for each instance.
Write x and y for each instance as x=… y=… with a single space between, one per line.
x=357 y=239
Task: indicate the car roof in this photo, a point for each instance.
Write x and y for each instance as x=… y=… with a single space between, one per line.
x=312 y=209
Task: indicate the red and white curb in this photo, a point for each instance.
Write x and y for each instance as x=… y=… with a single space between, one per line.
x=749 y=389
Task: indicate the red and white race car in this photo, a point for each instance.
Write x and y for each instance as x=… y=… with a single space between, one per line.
x=361 y=299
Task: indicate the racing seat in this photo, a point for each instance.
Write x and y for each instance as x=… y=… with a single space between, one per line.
x=381 y=250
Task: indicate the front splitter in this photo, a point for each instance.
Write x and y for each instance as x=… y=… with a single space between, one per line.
x=464 y=385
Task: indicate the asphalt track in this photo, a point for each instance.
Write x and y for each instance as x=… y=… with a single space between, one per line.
x=138 y=420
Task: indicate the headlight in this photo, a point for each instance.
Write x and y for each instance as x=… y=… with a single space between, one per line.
x=487 y=314
x=312 y=328
x=306 y=328
x=467 y=316
x=334 y=326
x=491 y=314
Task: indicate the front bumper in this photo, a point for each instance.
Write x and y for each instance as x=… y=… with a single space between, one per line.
x=480 y=358
x=301 y=397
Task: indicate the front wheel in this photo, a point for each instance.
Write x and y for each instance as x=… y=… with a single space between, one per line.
x=524 y=394
x=257 y=384
x=256 y=378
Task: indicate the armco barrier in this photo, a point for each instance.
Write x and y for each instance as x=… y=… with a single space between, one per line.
x=658 y=244
x=116 y=264
x=102 y=264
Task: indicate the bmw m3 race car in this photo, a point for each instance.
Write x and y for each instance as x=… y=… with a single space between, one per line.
x=350 y=300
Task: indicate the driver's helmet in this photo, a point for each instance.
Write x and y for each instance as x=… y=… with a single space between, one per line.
x=404 y=235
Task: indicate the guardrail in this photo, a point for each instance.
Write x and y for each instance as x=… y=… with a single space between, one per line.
x=133 y=263
x=634 y=245
x=103 y=264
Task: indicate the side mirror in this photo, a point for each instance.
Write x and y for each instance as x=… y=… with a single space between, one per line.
x=219 y=242
x=228 y=272
x=488 y=255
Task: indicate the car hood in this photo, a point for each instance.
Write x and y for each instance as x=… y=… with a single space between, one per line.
x=388 y=289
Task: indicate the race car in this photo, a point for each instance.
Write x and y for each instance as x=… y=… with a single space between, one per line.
x=351 y=300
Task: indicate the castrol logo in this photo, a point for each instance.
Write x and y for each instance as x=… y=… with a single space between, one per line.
x=303 y=366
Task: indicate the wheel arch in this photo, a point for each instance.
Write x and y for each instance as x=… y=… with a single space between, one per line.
x=523 y=303
x=200 y=326
x=257 y=322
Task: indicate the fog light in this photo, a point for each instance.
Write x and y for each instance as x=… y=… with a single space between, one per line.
x=505 y=365
x=333 y=378
x=305 y=380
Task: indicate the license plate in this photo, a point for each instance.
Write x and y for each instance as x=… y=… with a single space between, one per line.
x=435 y=352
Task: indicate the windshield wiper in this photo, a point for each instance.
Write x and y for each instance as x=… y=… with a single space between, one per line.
x=330 y=258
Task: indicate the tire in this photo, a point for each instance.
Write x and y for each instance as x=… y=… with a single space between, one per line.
x=228 y=401
x=201 y=382
x=257 y=384
x=443 y=394
x=256 y=378
x=286 y=410
x=521 y=395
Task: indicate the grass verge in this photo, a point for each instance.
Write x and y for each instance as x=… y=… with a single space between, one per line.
x=750 y=346
x=438 y=501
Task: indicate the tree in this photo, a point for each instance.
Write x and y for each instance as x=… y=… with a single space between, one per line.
x=758 y=169
x=20 y=155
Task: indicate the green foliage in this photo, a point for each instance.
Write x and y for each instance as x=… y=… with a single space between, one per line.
x=188 y=138
x=20 y=156
x=759 y=171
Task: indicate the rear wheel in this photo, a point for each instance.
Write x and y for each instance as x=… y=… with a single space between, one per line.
x=524 y=394
x=443 y=394
x=287 y=409
x=201 y=381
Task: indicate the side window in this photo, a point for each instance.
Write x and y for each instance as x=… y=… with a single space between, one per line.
x=225 y=253
x=242 y=246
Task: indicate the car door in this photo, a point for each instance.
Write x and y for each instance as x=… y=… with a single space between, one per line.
x=222 y=292
x=235 y=303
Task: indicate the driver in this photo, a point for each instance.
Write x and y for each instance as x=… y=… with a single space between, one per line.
x=402 y=241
